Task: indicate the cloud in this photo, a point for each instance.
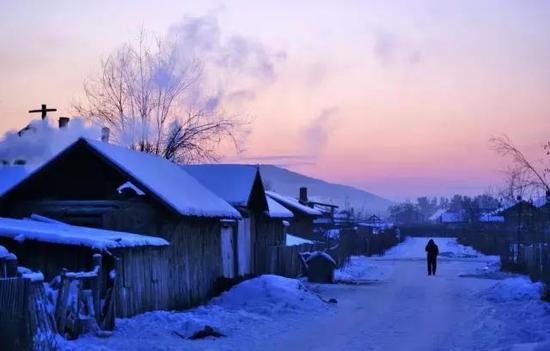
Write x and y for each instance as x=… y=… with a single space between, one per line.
x=317 y=133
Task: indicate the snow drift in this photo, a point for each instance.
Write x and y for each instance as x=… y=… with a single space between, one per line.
x=254 y=304
x=268 y=295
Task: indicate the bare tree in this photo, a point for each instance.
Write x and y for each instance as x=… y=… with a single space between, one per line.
x=151 y=99
x=525 y=175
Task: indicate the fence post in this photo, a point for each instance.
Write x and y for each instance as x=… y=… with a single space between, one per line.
x=61 y=303
x=96 y=287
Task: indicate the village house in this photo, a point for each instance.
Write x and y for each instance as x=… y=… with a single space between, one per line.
x=98 y=185
x=303 y=222
x=262 y=223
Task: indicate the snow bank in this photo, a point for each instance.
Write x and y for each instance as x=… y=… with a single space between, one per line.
x=247 y=314
x=361 y=268
x=269 y=295
x=415 y=248
x=513 y=289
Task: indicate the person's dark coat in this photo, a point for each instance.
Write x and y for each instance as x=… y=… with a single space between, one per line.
x=432 y=249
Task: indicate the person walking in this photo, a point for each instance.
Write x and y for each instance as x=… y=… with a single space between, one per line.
x=432 y=251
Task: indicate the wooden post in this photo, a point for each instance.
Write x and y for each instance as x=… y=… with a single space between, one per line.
x=11 y=266
x=96 y=287
x=61 y=303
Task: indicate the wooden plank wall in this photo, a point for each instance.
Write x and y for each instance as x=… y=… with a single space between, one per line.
x=178 y=276
x=49 y=258
x=14 y=331
x=285 y=261
x=269 y=233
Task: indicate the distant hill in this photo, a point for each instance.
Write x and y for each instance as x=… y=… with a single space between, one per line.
x=287 y=182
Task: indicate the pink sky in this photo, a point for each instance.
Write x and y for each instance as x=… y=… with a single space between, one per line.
x=396 y=99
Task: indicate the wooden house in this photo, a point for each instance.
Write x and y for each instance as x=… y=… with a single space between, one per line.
x=261 y=225
x=99 y=185
x=302 y=223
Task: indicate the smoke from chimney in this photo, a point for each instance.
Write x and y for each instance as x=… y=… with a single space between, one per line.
x=43 y=139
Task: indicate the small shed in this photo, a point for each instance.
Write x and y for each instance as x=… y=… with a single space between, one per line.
x=302 y=223
x=49 y=246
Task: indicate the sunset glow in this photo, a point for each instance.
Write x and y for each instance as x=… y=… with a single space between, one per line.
x=397 y=100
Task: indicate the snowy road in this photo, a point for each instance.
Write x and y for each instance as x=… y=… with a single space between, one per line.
x=407 y=310
x=397 y=307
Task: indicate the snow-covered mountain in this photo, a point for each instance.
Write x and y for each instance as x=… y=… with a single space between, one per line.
x=287 y=182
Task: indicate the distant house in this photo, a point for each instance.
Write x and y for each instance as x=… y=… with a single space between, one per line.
x=447 y=217
x=302 y=224
x=261 y=225
x=99 y=185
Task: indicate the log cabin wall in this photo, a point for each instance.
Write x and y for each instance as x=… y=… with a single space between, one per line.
x=270 y=233
x=179 y=276
x=195 y=260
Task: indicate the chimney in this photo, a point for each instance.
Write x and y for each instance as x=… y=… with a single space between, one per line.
x=303 y=195
x=63 y=121
x=105 y=132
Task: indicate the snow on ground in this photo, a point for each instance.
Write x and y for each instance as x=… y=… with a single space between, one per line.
x=415 y=248
x=247 y=314
x=466 y=306
x=361 y=269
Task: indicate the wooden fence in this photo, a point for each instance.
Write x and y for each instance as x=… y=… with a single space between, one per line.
x=25 y=322
x=285 y=260
x=525 y=256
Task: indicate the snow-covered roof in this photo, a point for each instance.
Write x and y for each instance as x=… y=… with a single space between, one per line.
x=293 y=204
x=231 y=182
x=451 y=217
x=490 y=217
x=540 y=201
x=160 y=178
x=437 y=214
x=277 y=210
x=61 y=233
